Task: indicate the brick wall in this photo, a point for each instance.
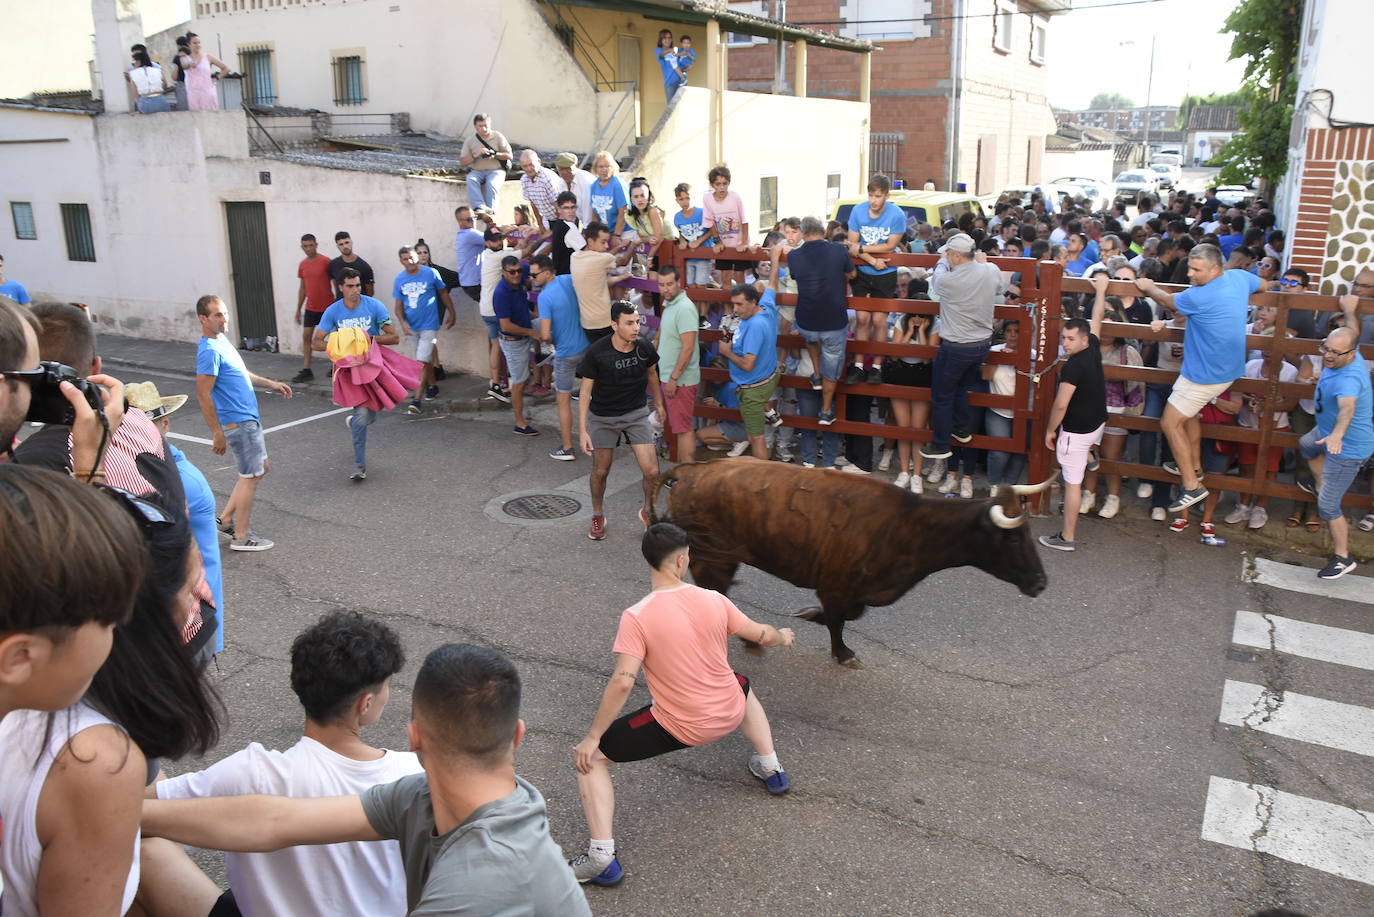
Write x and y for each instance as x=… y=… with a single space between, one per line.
x=1333 y=231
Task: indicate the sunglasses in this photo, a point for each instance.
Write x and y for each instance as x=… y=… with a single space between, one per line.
x=145 y=512
x=510 y=270
x=1289 y=282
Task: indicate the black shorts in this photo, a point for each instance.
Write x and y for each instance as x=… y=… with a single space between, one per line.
x=473 y=292
x=225 y=906
x=726 y=264
x=878 y=286
x=637 y=736
x=897 y=372
x=596 y=334
x=310 y=319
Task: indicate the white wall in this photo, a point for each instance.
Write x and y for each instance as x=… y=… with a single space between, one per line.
x=439 y=60
x=806 y=139
x=1079 y=164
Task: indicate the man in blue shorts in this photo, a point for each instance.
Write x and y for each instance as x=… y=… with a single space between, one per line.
x=224 y=390
x=560 y=323
x=820 y=269
x=418 y=291
x=356 y=310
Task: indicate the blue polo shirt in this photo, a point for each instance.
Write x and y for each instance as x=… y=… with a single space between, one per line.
x=757 y=334
x=876 y=230
x=418 y=294
x=1214 y=341
x=1350 y=381
x=233 y=392
x=512 y=303
x=558 y=307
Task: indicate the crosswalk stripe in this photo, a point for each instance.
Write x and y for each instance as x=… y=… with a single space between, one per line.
x=1298 y=716
x=1332 y=838
x=1299 y=638
x=1352 y=587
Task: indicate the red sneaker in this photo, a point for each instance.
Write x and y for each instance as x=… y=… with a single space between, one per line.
x=1179 y=524
x=598 y=530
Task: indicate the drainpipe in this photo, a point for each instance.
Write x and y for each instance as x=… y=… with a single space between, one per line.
x=956 y=78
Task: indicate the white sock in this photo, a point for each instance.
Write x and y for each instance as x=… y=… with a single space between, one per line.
x=768 y=763
x=601 y=851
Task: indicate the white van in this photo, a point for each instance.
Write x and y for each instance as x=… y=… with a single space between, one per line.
x=1167 y=157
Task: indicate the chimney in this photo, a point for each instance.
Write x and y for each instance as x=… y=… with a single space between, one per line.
x=118 y=26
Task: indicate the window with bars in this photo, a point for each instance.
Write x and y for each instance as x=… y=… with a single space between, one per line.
x=22 y=214
x=76 y=226
x=255 y=63
x=348 y=80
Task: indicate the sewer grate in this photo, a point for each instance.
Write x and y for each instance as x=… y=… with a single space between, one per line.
x=541 y=506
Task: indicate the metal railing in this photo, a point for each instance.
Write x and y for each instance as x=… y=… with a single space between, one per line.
x=616 y=127
x=882 y=152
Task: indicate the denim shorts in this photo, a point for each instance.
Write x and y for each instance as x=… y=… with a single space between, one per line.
x=832 y=344
x=493 y=327
x=517 y=359
x=246 y=441
x=1337 y=474
x=565 y=372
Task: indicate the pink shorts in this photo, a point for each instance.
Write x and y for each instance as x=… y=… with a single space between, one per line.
x=680 y=409
x=1072 y=451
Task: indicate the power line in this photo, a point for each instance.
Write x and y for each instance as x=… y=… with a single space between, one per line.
x=1076 y=9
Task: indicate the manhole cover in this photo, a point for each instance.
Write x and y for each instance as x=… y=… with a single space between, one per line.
x=541 y=506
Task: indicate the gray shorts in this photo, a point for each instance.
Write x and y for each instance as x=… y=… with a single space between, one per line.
x=565 y=379
x=245 y=441
x=630 y=429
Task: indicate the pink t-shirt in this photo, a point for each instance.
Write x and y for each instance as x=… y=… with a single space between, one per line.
x=680 y=634
x=726 y=216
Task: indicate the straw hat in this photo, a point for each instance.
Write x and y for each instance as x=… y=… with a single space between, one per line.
x=145 y=397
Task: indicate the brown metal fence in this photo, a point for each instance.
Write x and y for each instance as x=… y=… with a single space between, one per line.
x=1036 y=361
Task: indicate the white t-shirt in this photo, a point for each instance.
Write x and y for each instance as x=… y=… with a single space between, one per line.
x=1003 y=382
x=490 y=263
x=1255 y=370
x=365 y=878
x=24 y=764
x=1310 y=404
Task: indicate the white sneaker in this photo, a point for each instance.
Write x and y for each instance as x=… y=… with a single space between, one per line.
x=841 y=461
x=992 y=491
x=1145 y=490
x=916 y=485
x=1110 y=506
x=903 y=479
x=1159 y=514
x=936 y=472
x=854 y=469
x=1089 y=501
x=949 y=484
x=1239 y=513
x=885 y=462
x=966 y=488
x=738 y=449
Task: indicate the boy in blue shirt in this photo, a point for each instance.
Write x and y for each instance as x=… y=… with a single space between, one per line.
x=418 y=291
x=874 y=230
x=753 y=356
x=686 y=57
x=356 y=311
x=692 y=234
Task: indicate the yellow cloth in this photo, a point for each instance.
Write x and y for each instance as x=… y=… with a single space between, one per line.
x=347 y=342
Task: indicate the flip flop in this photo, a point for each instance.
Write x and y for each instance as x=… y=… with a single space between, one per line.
x=1314 y=525
x=1295 y=520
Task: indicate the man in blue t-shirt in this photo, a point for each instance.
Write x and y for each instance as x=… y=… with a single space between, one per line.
x=467 y=251
x=224 y=390
x=560 y=323
x=874 y=231
x=356 y=310
x=1216 y=307
x=418 y=291
x=1343 y=439
x=13 y=288
x=753 y=356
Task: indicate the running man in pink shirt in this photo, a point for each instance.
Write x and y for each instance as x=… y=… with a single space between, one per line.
x=678 y=633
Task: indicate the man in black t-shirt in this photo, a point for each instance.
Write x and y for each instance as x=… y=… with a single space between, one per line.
x=615 y=370
x=348 y=259
x=1079 y=414
x=822 y=271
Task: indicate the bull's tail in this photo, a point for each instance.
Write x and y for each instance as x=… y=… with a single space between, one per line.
x=667 y=479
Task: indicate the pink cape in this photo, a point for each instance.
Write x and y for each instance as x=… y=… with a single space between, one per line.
x=380 y=381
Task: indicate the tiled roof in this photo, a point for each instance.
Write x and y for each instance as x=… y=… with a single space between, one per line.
x=1212 y=118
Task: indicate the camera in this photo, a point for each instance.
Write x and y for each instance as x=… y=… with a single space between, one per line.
x=48 y=404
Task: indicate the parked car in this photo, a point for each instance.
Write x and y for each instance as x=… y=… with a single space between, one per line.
x=1129 y=185
x=1169 y=175
x=933 y=207
x=1169 y=157
x=1234 y=195
x=1089 y=190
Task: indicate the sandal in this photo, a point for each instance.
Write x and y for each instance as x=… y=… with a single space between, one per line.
x=1367 y=523
x=1314 y=526
x=1296 y=519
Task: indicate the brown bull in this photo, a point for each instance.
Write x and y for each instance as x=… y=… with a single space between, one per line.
x=856 y=541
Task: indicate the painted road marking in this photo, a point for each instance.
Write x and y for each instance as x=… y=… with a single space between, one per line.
x=1299 y=638
x=1298 y=716
x=191 y=439
x=1333 y=838
x=1352 y=587
x=297 y=423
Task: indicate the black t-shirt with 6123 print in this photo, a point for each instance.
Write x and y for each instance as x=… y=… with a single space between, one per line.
x=622 y=379
x=1088 y=406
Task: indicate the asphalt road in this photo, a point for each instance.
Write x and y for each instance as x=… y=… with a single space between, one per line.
x=996 y=755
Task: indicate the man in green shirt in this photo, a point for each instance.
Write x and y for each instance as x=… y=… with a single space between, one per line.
x=679 y=360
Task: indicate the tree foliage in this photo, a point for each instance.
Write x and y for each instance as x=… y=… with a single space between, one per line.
x=1266 y=35
x=1110 y=100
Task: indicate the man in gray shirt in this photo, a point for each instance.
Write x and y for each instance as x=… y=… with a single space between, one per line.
x=474 y=837
x=966 y=287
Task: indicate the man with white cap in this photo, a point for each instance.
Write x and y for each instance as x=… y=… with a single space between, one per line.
x=966 y=287
x=579 y=182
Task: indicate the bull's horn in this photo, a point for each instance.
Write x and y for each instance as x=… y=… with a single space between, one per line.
x=1003 y=521
x=1025 y=490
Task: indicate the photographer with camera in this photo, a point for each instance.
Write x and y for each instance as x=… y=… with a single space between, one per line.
x=87 y=413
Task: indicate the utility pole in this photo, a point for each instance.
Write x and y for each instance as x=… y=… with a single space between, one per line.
x=1149 y=86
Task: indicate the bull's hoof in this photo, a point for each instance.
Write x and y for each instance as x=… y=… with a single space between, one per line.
x=851 y=663
x=752 y=648
x=813 y=613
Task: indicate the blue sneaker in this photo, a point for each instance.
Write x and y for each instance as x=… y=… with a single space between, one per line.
x=775 y=783
x=562 y=455
x=584 y=870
